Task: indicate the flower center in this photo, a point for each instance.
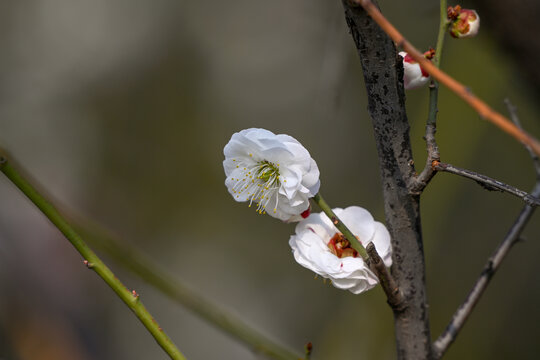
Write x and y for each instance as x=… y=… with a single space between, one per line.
x=260 y=182
x=341 y=247
x=267 y=171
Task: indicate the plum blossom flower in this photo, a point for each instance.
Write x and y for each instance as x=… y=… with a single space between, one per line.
x=318 y=246
x=413 y=75
x=464 y=23
x=274 y=172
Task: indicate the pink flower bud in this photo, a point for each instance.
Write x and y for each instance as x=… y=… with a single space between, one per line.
x=413 y=75
x=463 y=22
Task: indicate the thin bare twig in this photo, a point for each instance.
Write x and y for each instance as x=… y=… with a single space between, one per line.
x=483 y=109
x=513 y=115
x=488 y=183
x=420 y=182
x=440 y=346
x=464 y=311
x=433 y=154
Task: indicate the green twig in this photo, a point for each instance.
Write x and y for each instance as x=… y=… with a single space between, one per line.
x=356 y=245
x=91 y=260
x=140 y=265
x=443 y=28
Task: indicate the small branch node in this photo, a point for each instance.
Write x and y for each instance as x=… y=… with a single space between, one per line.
x=88 y=264
x=531 y=200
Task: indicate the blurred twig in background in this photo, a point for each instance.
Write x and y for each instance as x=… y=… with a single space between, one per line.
x=136 y=262
x=91 y=260
x=512 y=237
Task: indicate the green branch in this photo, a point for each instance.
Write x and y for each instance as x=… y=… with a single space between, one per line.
x=140 y=265
x=434 y=89
x=443 y=28
x=92 y=261
x=356 y=245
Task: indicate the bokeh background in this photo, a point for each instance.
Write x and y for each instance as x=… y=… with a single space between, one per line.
x=121 y=109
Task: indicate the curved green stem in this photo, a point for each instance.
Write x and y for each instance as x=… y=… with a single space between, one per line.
x=92 y=261
x=356 y=245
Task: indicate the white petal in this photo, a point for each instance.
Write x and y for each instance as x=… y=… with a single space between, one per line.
x=382 y=241
x=311 y=178
x=359 y=221
x=319 y=224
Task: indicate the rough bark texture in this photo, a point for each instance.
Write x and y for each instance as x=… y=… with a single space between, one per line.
x=383 y=74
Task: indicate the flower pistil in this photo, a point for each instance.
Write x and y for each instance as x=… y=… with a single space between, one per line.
x=260 y=181
x=341 y=247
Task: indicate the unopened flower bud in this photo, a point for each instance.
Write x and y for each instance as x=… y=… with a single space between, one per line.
x=413 y=75
x=463 y=22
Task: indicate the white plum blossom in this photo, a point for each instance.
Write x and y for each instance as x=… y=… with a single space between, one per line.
x=274 y=172
x=320 y=247
x=464 y=22
x=413 y=75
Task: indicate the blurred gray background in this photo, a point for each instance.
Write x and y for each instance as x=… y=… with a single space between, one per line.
x=121 y=109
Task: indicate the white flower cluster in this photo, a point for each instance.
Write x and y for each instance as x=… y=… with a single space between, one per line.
x=278 y=175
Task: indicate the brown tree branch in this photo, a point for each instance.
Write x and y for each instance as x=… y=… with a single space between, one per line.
x=383 y=77
x=484 y=110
